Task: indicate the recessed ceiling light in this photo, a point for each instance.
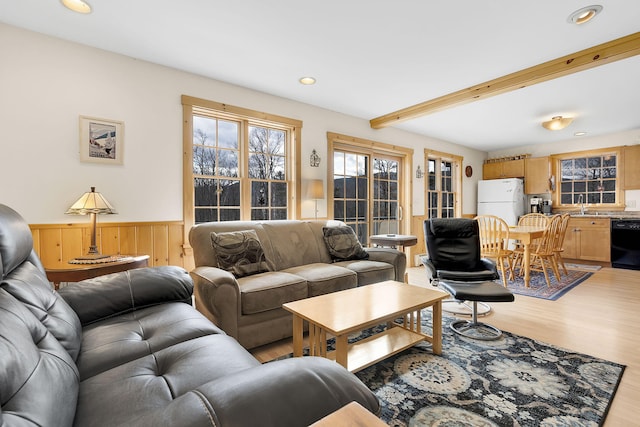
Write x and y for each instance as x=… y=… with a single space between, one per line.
x=307 y=80
x=579 y=134
x=77 y=6
x=584 y=15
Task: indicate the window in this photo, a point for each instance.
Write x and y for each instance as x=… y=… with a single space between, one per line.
x=589 y=178
x=443 y=186
x=239 y=164
x=351 y=191
x=368 y=186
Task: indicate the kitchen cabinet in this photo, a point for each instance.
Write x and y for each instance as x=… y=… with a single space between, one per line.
x=631 y=170
x=588 y=238
x=537 y=171
x=505 y=169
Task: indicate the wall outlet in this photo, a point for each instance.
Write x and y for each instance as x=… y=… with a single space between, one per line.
x=631 y=203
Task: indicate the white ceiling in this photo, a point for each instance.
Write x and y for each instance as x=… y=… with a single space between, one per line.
x=372 y=57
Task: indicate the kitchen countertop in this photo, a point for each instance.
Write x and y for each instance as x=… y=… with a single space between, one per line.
x=611 y=215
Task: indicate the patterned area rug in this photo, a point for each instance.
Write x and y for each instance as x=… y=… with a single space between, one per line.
x=514 y=381
x=538 y=285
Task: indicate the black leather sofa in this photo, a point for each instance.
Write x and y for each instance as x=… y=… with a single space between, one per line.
x=128 y=349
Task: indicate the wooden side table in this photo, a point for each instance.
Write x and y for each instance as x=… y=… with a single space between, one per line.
x=399 y=241
x=350 y=415
x=77 y=272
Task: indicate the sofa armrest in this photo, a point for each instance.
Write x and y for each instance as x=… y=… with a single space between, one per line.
x=392 y=256
x=217 y=296
x=286 y=393
x=118 y=293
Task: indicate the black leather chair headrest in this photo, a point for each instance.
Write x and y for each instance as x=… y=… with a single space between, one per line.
x=453 y=227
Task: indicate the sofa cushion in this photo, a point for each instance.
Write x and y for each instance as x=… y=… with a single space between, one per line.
x=325 y=278
x=370 y=271
x=118 y=340
x=30 y=286
x=38 y=381
x=293 y=243
x=343 y=244
x=268 y=291
x=239 y=252
x=128 y=393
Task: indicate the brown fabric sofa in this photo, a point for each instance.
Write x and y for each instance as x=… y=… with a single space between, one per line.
x=249 y=308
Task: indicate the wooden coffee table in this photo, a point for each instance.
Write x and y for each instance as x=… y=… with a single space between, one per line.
x=345 y=312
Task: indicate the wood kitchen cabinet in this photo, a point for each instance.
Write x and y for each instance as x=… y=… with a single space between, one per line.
x=537 y=171
x=631 y=170
x=588 y=238
x=506 y=169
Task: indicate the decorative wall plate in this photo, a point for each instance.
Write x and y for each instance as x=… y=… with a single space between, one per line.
x=468 y=171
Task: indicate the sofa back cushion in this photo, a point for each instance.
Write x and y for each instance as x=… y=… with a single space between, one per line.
x=286 y=243
x=38 y=379
x=25 y=279
x=204 y=253
x=294 y=244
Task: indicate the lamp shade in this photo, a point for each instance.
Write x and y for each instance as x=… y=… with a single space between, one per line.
x=315 y=189
x=91 y=202
x=557 y=123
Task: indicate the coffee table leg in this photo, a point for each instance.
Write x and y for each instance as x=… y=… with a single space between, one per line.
x=342 y=349
x=436 y=345
x=298 y=335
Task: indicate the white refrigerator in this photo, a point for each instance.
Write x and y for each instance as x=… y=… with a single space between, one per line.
x=503 y=198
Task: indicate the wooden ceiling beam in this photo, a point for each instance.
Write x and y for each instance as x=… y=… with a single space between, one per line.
x=595 y=56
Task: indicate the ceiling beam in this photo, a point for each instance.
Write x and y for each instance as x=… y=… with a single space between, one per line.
x=595 y=56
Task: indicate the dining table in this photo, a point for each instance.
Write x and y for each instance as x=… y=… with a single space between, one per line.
x=526 y=234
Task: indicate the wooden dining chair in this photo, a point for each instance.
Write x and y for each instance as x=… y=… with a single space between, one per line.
x=543 y=256
x=532 y=220
x=559 y=243
x=494 y=238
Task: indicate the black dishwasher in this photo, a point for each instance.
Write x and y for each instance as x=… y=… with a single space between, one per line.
x=625 y=243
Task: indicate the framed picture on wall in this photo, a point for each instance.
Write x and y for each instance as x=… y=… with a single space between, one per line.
x=101 y=140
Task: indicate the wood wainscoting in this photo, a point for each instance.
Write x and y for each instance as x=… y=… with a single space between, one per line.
x=417 y=230
x=56 y=244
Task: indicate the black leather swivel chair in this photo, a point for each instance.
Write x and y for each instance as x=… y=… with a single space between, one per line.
x=454 y=263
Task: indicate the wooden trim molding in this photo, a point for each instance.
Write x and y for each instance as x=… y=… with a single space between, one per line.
x=615 y=50
x=56 y=244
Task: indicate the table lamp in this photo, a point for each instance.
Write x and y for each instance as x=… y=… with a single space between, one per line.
x=91 y=203
x=315 y=190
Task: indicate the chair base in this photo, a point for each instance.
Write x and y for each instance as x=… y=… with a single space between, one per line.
x=475 y=330
x=464 y=308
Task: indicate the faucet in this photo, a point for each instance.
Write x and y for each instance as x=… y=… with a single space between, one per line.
x=581 y=203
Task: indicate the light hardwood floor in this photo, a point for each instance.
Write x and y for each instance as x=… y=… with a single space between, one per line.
x=599 y=317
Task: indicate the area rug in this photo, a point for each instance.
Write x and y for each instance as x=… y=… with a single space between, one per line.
x=513 y=381
x=538 y=285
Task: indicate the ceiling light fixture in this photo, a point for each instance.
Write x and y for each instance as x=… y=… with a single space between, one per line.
x=77 y=6
x=307 y=80
x=584 y=15
x=557 y=123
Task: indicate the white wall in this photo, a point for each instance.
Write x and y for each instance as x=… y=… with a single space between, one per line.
x=46 y=83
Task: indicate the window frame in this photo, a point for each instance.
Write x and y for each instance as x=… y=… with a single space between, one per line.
x=373 y=148
x=246 y=118
x=456 y=175
x=556 y=164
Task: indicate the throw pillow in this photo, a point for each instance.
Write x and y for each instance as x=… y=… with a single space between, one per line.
x=239 y=252
x=343 y=244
